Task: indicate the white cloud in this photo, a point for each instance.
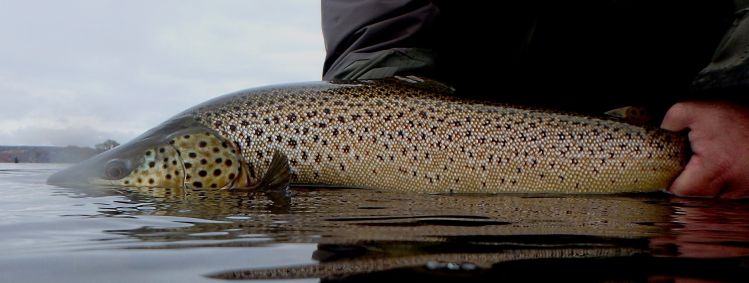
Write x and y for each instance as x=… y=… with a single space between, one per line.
x=78 y=72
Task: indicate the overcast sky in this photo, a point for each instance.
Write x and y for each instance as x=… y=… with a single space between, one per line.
x=78 y=72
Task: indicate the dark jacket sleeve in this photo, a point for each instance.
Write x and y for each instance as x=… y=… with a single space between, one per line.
x=727 y=75
x=581 y=55
x=356 y=30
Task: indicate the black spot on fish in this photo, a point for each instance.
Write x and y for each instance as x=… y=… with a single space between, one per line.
x=203 y=161
x=217 y=172
x=140 y=180
x=127 y=182
x=228 y=162
x=202 y=144
x=168 y=176
x=150 y=181
x=197 y=184
x=186 y=136
x=219 y=160
x=188 y=165
x=215 y=149
x=193 y=155
x=224 y=145
x=151 y=164
x=148 y=153
x=213 y=186
x=171 y=142
x=231 y=176
x=165 y=166
x=202 y=173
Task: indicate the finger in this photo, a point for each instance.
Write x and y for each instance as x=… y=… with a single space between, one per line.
x=698 y=179
x=678 y=117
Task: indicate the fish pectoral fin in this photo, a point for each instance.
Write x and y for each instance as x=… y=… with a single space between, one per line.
x=243 y=182
x=278 y=176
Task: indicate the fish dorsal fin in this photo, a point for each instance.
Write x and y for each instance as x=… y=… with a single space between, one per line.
x=637 y=115
x=278 y=176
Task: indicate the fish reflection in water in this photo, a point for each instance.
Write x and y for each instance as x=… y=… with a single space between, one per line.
x=363 y=234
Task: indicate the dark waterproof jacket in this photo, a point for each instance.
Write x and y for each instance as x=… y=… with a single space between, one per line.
x=584 y=55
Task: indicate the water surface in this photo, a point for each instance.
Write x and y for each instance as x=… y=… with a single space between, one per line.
x=52 y=234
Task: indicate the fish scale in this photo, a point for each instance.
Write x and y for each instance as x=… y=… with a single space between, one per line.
x=411 y=135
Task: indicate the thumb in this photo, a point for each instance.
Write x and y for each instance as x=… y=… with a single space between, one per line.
x=678 y=117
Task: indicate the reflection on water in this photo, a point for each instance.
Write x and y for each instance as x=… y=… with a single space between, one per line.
x=705 y=229
x=362 y=235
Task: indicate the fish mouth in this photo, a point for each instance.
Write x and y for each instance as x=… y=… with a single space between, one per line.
x=76 y=176
x=65 y=178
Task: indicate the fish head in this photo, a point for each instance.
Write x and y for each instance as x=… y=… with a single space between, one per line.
x=180 y=153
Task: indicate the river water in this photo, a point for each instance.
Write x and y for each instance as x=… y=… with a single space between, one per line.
x=53 y=234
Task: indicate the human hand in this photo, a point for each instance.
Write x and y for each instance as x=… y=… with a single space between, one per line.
x=719 y=137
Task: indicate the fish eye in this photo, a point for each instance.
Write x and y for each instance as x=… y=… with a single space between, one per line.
x=115 y=169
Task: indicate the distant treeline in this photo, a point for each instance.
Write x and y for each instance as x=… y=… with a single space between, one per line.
x=45 y=154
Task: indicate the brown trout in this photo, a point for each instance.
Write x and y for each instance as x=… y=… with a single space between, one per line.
x=403 y=134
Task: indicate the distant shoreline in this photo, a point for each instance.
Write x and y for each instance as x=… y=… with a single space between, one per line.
x=45 y=154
